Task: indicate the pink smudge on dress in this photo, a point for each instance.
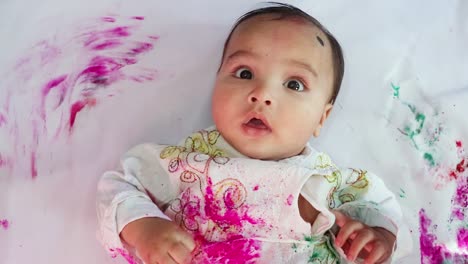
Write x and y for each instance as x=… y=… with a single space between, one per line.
x=290 y=200
x=4 y=223
x=237 y=250
x=231 y=219
x=124 y=253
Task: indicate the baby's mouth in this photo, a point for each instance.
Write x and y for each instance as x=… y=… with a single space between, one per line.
x=257 y=123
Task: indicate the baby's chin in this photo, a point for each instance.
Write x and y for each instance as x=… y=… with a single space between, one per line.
x=266 y=152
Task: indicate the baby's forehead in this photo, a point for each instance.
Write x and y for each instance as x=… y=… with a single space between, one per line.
x=295 y=21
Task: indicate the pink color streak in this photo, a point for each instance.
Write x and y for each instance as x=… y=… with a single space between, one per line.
x=142 y=47
x=108 y=44
x=2 y=120
x=108 y=19
x=33 y=165
x=138 y=17
x=238 y=250
x=290 y=200
x=462 y=238
x=124 y=253
x=77 y=107
x=4 y=223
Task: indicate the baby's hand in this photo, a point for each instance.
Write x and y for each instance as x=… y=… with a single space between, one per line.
x=158 y=240
x=374 y=244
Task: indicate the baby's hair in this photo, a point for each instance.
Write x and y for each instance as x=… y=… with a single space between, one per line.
x=288 y=11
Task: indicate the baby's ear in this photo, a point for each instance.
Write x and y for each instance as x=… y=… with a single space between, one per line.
x=326 y=112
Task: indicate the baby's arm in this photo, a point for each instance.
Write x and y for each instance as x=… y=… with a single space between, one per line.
x=128 y=205
x=364 y=198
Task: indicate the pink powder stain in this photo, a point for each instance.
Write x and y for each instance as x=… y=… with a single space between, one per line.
x=255 y=188
x=142 y=47
x=460 y=198
x=2 y=120
x=290 y=200
x=124 y=253
x=239 y=250
x=117 y=32
x=431 y=252
x=77 y=107
x=232 y=217
x=5 y=224
x=33 y=165
x=138 y=17
x=3 y=161
x=108 y=44
x=48 y=87
x=108 y=19
x=462 y=238
x=236 y=249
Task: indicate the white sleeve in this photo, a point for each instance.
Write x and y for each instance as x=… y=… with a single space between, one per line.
x=376 y=206
x=133 y=192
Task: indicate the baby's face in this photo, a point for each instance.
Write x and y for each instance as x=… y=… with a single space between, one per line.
x=273 y=89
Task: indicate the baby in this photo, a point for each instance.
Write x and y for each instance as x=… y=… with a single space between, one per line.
x=251 y=189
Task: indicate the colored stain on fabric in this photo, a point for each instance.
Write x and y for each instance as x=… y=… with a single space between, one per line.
x=108 y=19
x=428 y=157
x=224 y=216
x=431 y=252
x=237 y=250
x=396 y=91
x=2 y=120
x=77 y=107
x=402 y=193
x=123 y=253
x=462 y=238
x=290 y=200
x=460 y=199
x=4 y=224
x=107 y=44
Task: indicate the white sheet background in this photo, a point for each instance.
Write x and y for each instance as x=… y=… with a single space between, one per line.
x=48 y=171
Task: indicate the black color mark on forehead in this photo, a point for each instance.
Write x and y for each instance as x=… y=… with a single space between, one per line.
x=321 y=41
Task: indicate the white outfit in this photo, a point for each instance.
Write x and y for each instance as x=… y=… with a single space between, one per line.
x=242 y=210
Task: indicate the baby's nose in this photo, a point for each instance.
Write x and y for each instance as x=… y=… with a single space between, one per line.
x=255 y=99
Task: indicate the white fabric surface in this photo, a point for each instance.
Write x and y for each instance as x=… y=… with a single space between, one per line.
x=49 y=169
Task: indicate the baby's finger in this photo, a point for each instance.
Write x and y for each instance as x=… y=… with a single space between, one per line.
x=163 y=259
x=347 y=231
x=187 y=240
x=362 y=239
x=341 y=218
x=180 y=253
x=375 y=255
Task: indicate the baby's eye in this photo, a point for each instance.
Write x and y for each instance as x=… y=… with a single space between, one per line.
x=244 y=73
x=295 y=85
